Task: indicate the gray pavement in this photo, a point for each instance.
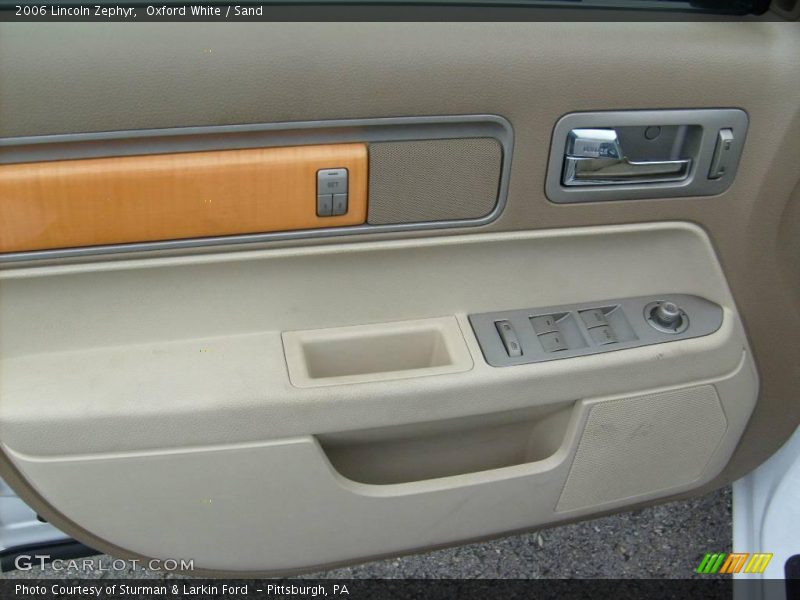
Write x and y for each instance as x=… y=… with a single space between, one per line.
x=667 y=540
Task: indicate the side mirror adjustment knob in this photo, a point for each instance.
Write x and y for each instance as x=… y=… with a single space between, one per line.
x=667 y=314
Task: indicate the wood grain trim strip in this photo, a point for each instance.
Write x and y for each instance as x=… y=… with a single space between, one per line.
x=67 y=204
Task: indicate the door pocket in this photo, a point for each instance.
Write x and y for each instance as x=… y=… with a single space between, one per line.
x=453 y=447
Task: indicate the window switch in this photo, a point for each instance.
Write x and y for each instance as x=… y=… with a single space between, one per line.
x=544 y=324
x=553 y=342
x=603 y=335
x=594 y=317
x=509 y=338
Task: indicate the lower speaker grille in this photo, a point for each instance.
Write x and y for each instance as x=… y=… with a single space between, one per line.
x=642 y=444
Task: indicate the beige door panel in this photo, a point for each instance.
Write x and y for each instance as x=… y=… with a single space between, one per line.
x=199 y=384
x=147 y=392
x=256 y=506
x=201 y=336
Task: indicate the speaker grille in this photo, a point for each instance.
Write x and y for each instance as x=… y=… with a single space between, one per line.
x=643 y=444
x=433 y=180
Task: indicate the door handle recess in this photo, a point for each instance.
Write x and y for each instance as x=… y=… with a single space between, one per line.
x=595 y=157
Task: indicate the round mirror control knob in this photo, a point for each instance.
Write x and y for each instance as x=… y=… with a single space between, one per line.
x=667 y=314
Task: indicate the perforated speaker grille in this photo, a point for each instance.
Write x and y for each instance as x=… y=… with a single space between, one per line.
x=433 y=180
x=643 y=444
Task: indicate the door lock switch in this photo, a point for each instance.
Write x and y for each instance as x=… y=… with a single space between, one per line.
x=332 y=190
x=509 y=338
x=553 y=342
x=723 y=154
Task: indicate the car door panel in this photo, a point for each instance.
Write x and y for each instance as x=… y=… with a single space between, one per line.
x=285 y=402
x=183 y=354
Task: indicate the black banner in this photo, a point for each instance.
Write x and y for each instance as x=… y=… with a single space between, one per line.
x=712 y=588
x=134 y=11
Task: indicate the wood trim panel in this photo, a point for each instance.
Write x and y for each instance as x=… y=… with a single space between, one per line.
x=65 y=204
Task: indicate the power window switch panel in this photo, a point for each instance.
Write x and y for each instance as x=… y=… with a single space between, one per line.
x=509 y=338
x=593 y=318
x=325 y=205
x=553 y=342
x=544 y=324
x=339 y=205
x=603 y=335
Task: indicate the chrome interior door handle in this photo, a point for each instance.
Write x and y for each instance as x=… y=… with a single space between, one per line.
x=595 y=157
x=607 y=171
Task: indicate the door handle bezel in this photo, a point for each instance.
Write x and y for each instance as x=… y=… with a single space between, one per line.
x=695 y=183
